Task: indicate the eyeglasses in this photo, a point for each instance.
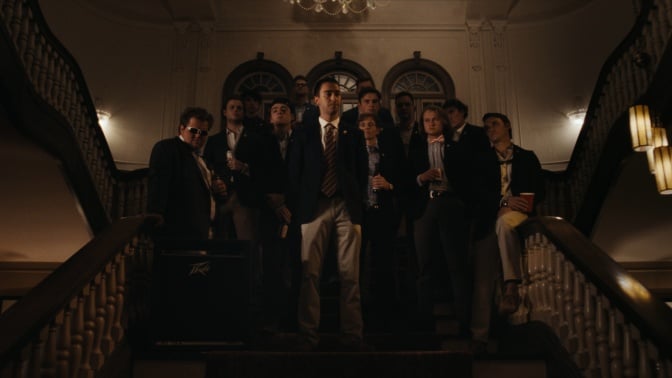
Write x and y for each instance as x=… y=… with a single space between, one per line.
x=197 y=131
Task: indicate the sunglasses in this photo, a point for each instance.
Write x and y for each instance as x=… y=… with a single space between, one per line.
x=197 y=131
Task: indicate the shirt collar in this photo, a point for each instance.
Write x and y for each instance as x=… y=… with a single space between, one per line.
x=324 y=123
x=459 y=130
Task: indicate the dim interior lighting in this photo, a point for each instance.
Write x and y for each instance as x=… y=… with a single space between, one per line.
x=662 y=157
x=103 y=118
x=659 y=135
x=576 y=117
x=335 y=7
x=640 y=127
x=633 y=287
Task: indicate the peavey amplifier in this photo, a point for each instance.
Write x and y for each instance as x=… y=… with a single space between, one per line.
x=200 y=292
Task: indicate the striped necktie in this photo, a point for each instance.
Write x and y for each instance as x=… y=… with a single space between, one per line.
x=329 y=180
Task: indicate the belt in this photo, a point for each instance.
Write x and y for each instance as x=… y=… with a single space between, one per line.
x=373 y=207
x=438 y=193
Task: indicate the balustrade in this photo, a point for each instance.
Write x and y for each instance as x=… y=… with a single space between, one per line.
x=89 y=325
x=585 y=311
x=57 y=80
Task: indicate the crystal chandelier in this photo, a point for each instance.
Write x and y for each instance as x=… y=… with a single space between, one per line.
x=334 y=7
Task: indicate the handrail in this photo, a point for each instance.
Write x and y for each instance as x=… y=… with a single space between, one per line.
x=81 y=300
x=54 y=76
x=574 y=286
x=621 y=82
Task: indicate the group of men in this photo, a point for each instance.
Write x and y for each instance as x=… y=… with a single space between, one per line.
x=313 y=181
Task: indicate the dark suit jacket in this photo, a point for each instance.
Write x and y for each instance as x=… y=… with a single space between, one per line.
x=307 y=164
x=456 y=165
x=384 y=117
x=392 y=166
x=248 y=187
x=177 y=191
x=526 y=176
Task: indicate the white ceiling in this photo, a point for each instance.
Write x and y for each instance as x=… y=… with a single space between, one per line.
x=229 y=13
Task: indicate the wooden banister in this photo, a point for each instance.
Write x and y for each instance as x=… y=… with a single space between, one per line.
x=90 y=288
x=590 y=299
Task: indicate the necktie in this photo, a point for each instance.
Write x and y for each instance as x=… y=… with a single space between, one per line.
x=329 y=181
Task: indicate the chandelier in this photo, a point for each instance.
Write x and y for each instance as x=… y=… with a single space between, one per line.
x=334 y=7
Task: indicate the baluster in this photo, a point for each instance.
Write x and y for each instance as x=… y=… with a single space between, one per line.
x=559 y=301
x=77 y=349
x=579 y=321
x=629 y=352
x=22 y=38
x=38 y=353
x=64 y=343
x=643 y=364
x=568 y=289
x=15 y=21
x=37 y=62
x=29 y=53
x=44 y=64
x=89 y=292
x=50 y=353
x=543 y=311
x=602 y=330
x=615 y=344
x=118 y=328
x=590 y=336
x=110 y=307
x=98 y=358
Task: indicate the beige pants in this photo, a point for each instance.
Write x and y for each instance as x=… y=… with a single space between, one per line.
x=509 y=244
x=333 y=219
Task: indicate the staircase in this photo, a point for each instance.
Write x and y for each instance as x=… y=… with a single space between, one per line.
x=85 y=318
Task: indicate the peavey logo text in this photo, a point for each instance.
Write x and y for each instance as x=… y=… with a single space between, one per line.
x=201 y=268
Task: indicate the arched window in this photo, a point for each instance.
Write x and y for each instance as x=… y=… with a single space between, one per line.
x=346 y=72
x=427 y=81
x=269 y=78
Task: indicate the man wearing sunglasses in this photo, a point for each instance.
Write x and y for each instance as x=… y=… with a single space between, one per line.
x=180 y=187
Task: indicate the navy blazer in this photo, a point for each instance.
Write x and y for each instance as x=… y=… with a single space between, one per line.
x=526 y=176
x=306 y=166
x=457 y=165
x=249 y=187
x=392 y=166
x=177 y=191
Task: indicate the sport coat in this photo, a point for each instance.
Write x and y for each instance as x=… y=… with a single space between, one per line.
x=177 y=191
x=526 y=176
x=306 y=167
x=392 y=166
x=249 y=187
x=457 y=166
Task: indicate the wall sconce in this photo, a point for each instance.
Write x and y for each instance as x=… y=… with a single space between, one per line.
x=640 y=127
x=659 y=135
x=103 y=118
x=662 y=157
x=576 y=117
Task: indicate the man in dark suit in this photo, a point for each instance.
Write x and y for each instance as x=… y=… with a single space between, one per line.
x=441 y=193
x=352 y=115
x=381 y=216
x=234 y=157
x=278 y=242
x=404 y=104
x=179 y=183
x=327 y=176
x=509 y=187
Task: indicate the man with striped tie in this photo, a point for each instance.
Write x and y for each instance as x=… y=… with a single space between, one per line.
x=327 y=166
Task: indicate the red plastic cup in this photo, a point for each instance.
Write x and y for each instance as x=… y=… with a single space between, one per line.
x=529 y=197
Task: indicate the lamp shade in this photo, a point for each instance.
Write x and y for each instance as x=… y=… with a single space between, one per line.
x=662 y=157
x=659 y=140
x=640 y=127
